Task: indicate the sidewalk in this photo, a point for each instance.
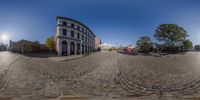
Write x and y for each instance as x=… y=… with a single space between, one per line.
x=67 y=58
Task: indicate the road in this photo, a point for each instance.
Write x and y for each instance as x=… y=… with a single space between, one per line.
x=100 y=75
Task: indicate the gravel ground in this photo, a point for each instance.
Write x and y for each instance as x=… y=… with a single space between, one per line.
x=100 y=75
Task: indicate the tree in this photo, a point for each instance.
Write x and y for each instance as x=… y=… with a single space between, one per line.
x=144 y=44
x=197 y=47
x=50 y=43
x=188 y=44
x=171 y=35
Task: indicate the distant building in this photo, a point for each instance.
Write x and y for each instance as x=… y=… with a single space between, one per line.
x=25 y=46
x=3 y=47
x=105 y=47
x=6 y=46
x=97 y=43
x=73 y=37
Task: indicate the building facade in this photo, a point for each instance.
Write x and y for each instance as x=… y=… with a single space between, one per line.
x=3 y=47
x=97 y=43
x=105 y=47
x=73 y=37
x=25 y=46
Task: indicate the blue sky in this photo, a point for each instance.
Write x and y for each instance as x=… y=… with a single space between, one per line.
x=114 y=21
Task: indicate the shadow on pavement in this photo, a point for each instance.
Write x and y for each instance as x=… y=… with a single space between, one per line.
x=157 y=54
x=41 y=55
x=84 y=55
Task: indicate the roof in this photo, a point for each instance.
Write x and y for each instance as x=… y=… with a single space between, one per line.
x=60 y=17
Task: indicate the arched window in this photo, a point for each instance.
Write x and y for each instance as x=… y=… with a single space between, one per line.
x=72 y=48
x=64 y=48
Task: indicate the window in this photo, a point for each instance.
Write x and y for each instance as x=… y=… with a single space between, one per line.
x=78 y=27
x=64 y=23
x=64 y=32
x=78 y=35
x=72 y=25
x=82 y=37
x=72 y=33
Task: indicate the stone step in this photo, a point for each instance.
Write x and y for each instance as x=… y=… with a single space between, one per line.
x=71 y=97
x=189 y=98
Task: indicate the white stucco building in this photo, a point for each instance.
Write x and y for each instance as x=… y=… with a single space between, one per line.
x=73 y=37
x=105 y=47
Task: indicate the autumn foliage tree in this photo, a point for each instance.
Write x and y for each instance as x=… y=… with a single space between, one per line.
x=188 y=44
x=50 y=43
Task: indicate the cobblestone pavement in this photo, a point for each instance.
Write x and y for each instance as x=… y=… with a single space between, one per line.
x=106 y=75
x=174 y=76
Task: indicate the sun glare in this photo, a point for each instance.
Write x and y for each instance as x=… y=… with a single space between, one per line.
x=4 y=37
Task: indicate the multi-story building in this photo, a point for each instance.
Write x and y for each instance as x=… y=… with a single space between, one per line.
x=3 y=47
x=25 y=46
x=73 y=37
x=97 y=42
